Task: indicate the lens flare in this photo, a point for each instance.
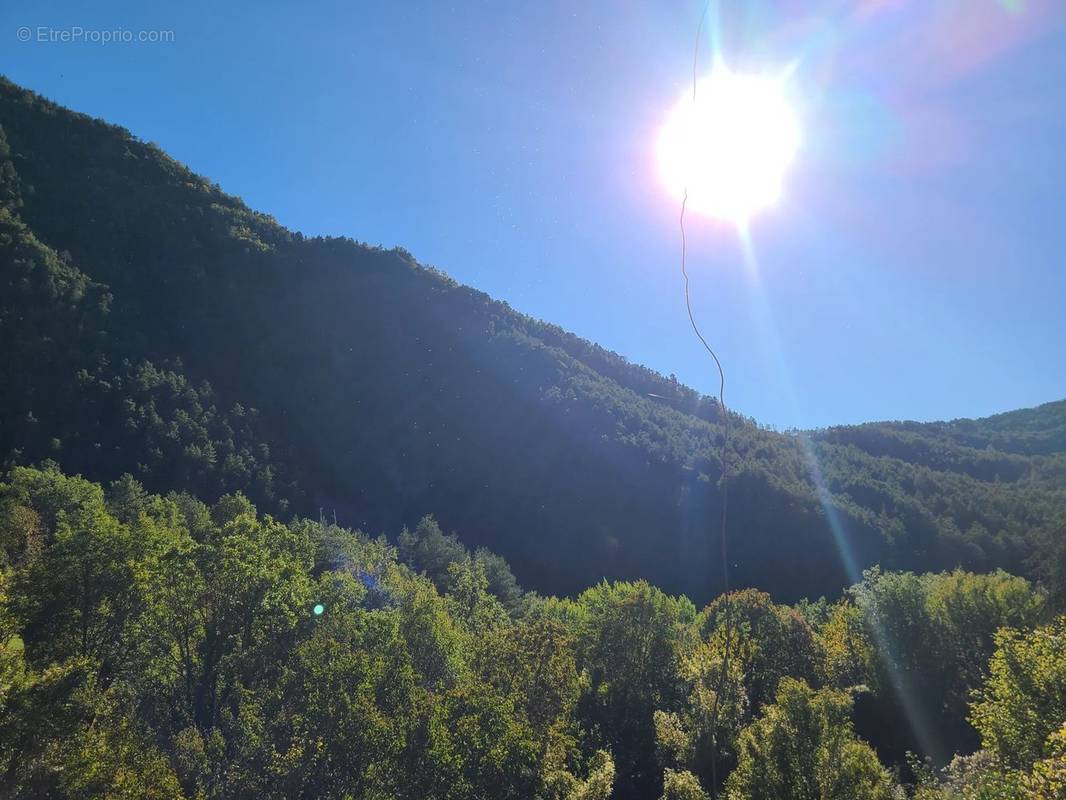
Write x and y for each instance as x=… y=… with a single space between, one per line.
x=730 y=146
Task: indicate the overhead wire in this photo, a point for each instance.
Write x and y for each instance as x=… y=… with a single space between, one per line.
x=723 y=453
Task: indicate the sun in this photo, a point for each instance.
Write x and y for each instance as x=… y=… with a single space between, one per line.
x=730 y=148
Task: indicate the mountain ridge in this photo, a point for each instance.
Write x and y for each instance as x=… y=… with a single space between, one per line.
x=385 y=390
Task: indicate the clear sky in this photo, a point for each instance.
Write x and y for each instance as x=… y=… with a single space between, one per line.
x=914 y=268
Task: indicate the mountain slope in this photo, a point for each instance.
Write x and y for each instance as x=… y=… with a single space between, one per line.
x=146 y=314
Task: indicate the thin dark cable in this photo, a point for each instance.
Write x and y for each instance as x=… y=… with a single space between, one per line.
x=723 y=454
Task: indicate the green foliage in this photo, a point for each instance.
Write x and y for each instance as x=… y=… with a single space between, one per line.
x=713 y=714
x=1049 y=564
x=598 y=784
x=973 y=777
x=765 y=642
x=159 y=336
x=774 y=641
x=70 y=390
x=62 y=735
x=72 y=598
x=682 y=786
x=158 y=647
x=802 y=748
x=435 y=554
x=153 y=325
x=933 y=635
x=848 y=658
x=630 y=642
x=1023 y=703
x=983 y=776
x=429 y=551
x=533 y=665
x=1048 y=777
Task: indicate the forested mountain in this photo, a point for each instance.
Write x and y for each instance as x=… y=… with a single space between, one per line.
x=192 y=398
x=153 y=325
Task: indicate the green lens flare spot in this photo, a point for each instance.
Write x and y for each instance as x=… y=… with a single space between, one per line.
x=318 y=609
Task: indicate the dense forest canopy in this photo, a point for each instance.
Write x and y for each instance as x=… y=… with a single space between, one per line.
x=153 y=325
x=287 y=517
x=156 y=646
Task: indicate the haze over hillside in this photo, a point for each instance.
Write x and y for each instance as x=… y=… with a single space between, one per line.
x=154 y=325
x=231 y=458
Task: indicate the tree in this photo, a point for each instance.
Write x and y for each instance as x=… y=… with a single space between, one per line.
x=345 y=709
x=468 y=597
x=532 y=663
x=773 y=641
x=682 y=786
x=502 y=581
x=803 y=748
x=631 y=639
x=848 y=657
x=596 y=786
x=1023 y=702
x=478 y=748
x=972 y=777
x=73 y=597
x=715 y=710
x=1048 y=778
x=933 y=634
x=430 y=551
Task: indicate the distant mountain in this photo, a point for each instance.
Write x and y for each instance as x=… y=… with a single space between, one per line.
x=152 y=324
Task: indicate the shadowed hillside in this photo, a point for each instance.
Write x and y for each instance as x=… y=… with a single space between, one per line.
x=152 y=324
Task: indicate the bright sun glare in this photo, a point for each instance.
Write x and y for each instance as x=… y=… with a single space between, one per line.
x=731 y=147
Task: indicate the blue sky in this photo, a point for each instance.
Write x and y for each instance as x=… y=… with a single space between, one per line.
x=913 y=270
